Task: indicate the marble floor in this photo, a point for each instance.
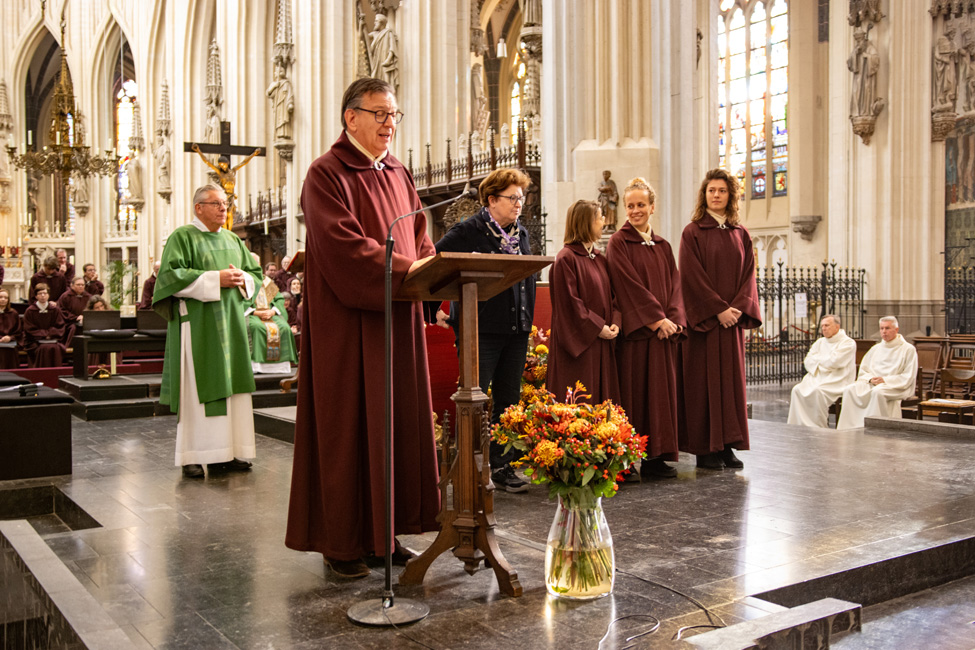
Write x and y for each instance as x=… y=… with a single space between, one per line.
x=202 y=564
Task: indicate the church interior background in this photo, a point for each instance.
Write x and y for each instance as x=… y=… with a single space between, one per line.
x=850 y=124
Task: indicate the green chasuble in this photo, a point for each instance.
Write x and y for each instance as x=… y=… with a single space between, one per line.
x=257 y=332
x=221 y=356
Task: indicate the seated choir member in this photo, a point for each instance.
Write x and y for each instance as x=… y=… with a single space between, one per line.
x=888 y=373
x=830 y=367
x=98 y=303
x=43 y=331
x=93 y=285
x=50 y=276
x=585 y=319
x=647 y=287
x=72 y=304
x=10 y=333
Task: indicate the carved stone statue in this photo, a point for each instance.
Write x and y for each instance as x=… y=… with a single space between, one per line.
x=537 y=128
x=476 y=142
x=227 y=177
x=4 y=165
x=462 y=145
x=970 y=74
x=163 y=159
x=532 y=12
x=133 y=170
x=79 y=191
x=864 y=62
x=384 y=52
x=505 y=136
x=945 y=75
x=281 y=93
x=480 y=110
x=609 y=197
x=211 y=132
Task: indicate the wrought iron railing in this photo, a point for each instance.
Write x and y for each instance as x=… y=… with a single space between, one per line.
x=793 y=300
x=960 y=299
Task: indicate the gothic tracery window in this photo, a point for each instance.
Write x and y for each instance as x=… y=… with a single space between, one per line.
x=753 y=93
x=516 y=90
x=125 y=95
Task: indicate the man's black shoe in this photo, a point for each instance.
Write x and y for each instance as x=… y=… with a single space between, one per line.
x=709 y=461
x=347 y=569
x=192 y=471
x=235 y=465
x=730 y=460
x=657 y=468
x=506 y=479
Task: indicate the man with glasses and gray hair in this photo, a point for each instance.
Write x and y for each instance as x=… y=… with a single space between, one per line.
x=205 y=283
x=351 y=196
x=888 y=375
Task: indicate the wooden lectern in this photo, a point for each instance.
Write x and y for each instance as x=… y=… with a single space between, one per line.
x=467 y=523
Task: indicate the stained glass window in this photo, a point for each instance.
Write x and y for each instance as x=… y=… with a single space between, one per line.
x=753 y=93
x=520 y=72
x=125 y=97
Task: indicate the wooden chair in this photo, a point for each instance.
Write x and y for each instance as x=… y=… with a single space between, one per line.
x=930 y=361
x=962 y=379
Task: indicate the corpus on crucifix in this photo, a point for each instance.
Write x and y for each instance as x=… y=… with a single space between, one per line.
x=226 y=174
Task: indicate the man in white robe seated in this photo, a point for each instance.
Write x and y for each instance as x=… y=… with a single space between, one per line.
x=830 y=367
x=272 y=342
x=888 y=375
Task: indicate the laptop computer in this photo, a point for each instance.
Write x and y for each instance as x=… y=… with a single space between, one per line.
x=148 y=322
x=104 y=324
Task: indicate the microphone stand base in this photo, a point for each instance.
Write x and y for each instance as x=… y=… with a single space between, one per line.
x=371 y=612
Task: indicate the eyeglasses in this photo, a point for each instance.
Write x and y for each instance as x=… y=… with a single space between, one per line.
x=514 y=198
x=219 y=204
x=382 y=116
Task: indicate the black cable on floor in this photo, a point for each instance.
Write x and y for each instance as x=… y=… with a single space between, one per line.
x=609 y=627
x=404 y=634
x=694 y=600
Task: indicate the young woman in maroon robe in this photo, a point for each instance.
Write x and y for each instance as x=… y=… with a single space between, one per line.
x=718 y=279
x=10 y=332
x=43 y=331
x=647 y=288
x=585 y=320
x=72 y=304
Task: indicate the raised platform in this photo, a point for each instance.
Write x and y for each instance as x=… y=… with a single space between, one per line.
x=277 y=422
x=137 y=396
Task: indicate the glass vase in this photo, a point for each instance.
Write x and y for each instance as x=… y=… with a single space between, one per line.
x=579 y=559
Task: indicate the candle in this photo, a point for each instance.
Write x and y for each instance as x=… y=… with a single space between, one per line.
x=30 y=138
x=57 y=138
x=113 y=363
x=265 y=225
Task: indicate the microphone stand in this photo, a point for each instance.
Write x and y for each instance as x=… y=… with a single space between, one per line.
x=390 y=611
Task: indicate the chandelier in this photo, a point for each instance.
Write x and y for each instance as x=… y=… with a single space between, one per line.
x=66 y=154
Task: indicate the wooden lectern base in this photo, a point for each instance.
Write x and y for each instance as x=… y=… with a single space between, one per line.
x=470 y=537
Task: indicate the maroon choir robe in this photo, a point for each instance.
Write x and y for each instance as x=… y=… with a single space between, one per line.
x=56 y=285
x=95 y=287
x=283 y=279
x=337 y=502
x=72 y=305
x=147 y=288
x=43 y=332
x=68 y=273
x=10 y=325
x=717 y=268
x=582 y=303
x=647 y=286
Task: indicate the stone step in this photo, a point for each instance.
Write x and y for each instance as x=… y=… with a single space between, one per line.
x=115 y=409
x=276 y=422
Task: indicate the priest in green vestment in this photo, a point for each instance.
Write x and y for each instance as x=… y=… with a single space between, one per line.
x=271 y=339
x=206 y=282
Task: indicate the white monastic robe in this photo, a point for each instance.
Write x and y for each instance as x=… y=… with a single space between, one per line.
x=215 y=439
x=896 y=362
x=830 y=367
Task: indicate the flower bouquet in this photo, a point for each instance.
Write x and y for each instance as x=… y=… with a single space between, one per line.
x=536 y=365
x=579 y=449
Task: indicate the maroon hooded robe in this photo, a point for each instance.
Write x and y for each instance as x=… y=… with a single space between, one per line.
x=40 y=329
x=337 y=489
x=148 y=287
x=10 y=326
x=717 y=268
x=582 y=303
x=72 y=305
x=56 y=285
x=647 y=286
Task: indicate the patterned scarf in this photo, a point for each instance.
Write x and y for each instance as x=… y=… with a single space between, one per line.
x=508 y=239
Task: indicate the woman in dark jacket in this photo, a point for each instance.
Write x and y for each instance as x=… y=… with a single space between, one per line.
x=504 y=322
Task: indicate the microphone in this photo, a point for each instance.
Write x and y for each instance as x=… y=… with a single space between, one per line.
x=468 y=193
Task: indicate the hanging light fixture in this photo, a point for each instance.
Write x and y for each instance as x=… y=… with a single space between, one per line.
x=66 y=154
x=502 y=49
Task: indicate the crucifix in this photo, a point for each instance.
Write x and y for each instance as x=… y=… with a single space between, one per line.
x=226 y=174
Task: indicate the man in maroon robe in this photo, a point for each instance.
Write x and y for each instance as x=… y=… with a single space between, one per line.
x=10 y=332
x=52 y=277
x=282 y=277
x=647 y=286
x=66 y=267
x=148 y=287
x=93 y=285
x=43 y=331
x=72 y=304
x=351 y=195
x=717 y=269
